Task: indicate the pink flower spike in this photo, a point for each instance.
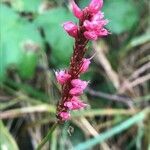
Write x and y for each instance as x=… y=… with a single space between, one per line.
x=77 y=83
x=90 y=35
x=64 y=115
x=77 y=11
x=71 y=28
x=95 y=6
x=62 y=77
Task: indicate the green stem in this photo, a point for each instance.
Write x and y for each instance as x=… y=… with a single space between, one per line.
x=46 y=138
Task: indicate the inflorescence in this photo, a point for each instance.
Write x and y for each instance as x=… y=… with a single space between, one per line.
x=90 y=27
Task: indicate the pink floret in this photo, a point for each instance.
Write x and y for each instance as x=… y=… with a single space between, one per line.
x=62 y=77
x=71 y=28
x=78 y=86
x=91 y=35
x=95 y=27
x=95 y=6
x=64 y=115
x=77 y=11
x=75 y=103
x=85 y=65
x=77 y=83
x=76 y=91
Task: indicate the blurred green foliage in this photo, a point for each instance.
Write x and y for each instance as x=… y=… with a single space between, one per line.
x=122 y=15
x=6 y=140
x=51 y=22
x=20 y=41
x=117 y=129
x=26 y=5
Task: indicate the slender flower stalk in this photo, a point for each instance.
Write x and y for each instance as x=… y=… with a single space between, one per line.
x=90 y=27
x=47 y=137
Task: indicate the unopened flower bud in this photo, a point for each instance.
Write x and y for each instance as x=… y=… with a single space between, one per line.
x=90 y=35
x=77 y=11
x=75 y=103
x=71 y=28
x=76 y=91
x=98 y=16
x=103 y=32
x=62 y=76
x=95 y=6
x=85 y=65
x=77 y=83
x=64 y=115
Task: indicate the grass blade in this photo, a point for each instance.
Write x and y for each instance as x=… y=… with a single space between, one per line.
x=115 y=130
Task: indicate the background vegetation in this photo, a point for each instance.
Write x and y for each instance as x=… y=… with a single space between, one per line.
x=33 y=45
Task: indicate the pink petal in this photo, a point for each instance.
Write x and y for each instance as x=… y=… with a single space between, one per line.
x=88 y=25
x=90 y=35
x=75 y=103
x=102 y=32
x=62 y=77
x=71 y=28
x=77 y=83
x=93 y=25
x=95 y=6
x=98 y=16
x=78 y=105
x=76 y=91
x=77 y=11
x=74 y=98
x=64 y=115
x=69 y=105
x=85 y=65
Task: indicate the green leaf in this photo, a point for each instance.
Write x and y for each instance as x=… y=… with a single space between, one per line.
x=19 y=39
x=60 y=42
x=28 y=64
x=113 y=131
x=121 y=14
x=6 y=140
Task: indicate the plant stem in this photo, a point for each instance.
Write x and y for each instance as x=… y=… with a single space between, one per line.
x=46 y=138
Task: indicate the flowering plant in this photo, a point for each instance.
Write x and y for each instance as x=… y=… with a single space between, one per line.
x=90 y=27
